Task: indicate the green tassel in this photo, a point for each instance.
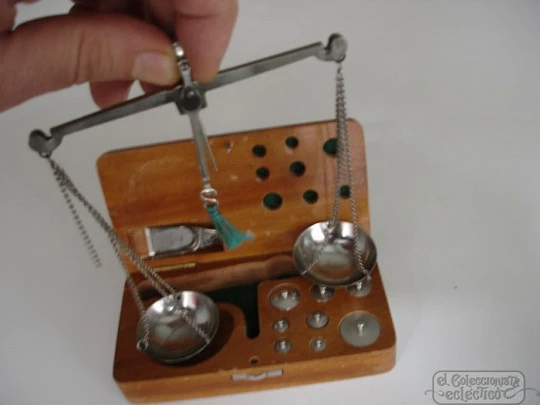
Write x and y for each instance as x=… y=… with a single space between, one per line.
x=230 y=236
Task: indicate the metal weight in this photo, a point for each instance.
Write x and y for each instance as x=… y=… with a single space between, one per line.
x=321 y=293
x=285 y=298
x=359 y=329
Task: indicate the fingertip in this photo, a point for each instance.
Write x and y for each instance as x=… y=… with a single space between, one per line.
x=107 y=94
x=205 y=75
x=205 y=8
x=156 y=67
x=204 y=29
x=151 y=88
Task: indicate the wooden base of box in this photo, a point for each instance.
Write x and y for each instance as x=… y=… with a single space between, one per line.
x=159 y=184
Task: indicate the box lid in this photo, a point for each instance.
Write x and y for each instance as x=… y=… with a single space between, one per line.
x=272 y=183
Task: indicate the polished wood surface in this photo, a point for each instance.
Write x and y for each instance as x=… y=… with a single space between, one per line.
x=232 y=353
x=159 y=185
x=228 y=276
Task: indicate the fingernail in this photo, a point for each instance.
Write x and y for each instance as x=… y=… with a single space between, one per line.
x=156 y=68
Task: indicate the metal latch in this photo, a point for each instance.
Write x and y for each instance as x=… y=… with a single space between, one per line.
x=257 y=376
x=164 y=241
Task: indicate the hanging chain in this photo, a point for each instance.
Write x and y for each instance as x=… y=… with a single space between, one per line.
x=342 y=146
x=94 y=257
x=119 y=246
x=344 y=175
x=344 y=151
x=66 y=183
x=142 y=344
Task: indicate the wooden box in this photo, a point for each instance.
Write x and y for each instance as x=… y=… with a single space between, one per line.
x=296 y=165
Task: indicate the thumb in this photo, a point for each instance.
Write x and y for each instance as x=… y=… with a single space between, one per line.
x=54 y=53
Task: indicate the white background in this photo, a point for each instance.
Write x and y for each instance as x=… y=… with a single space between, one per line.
x=449 y=95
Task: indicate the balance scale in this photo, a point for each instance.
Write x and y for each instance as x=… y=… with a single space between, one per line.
x=259 y=275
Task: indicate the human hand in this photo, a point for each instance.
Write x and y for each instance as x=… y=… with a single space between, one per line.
x=110 y=44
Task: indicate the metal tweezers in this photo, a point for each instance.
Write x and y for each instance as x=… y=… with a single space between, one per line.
x=189 y=96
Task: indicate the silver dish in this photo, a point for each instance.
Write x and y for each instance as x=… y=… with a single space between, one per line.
x=171 y=338
x=334 y=248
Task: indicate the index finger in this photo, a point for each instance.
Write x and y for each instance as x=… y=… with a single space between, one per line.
x=203 y=28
